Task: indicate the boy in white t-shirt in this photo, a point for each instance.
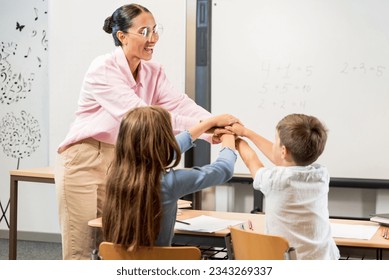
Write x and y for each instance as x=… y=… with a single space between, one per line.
x=295 y=189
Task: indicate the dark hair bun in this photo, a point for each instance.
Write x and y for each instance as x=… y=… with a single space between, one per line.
x=108 y=25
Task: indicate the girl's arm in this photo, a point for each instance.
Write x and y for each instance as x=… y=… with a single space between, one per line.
x=207 y=124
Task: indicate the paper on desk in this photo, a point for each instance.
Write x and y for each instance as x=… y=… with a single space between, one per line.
x=353 y=231
x=206 y=224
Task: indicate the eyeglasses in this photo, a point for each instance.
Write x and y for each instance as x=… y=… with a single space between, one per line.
x=148 y=32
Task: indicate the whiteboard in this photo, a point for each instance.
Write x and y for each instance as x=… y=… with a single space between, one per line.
x=327 y=58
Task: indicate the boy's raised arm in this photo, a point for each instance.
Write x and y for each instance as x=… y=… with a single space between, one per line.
x=262 y=143
x=249 y=156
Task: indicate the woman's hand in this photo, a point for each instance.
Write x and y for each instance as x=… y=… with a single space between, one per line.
x=223 y=120
x=218 y=128
x=214 y=125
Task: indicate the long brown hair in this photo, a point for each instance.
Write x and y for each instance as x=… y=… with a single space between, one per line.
x=145 y=149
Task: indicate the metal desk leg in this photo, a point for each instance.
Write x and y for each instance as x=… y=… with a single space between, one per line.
x=230 y=251
x=13 y=218
x=379 y=253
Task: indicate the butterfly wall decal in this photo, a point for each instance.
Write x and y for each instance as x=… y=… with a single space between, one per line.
x=19 y=26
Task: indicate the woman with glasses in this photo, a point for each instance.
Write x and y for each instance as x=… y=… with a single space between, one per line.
x=114 y=84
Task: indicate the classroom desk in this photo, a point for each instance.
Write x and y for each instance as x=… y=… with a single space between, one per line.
x=221 y=238
x=40 y=175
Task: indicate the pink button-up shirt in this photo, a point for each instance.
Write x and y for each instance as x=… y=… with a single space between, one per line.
x=109 y=91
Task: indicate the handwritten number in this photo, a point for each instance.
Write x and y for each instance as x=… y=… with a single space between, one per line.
x=345 y=68
x=380 y=70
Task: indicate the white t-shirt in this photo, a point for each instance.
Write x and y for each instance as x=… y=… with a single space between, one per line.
x=297 y=208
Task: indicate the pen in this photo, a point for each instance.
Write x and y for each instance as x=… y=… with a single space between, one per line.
x=182 y=222
x=250 y=225
x=385 y=233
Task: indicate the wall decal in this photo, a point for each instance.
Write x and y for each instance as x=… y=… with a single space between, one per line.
x=23 y=90
x=19 y=135
x=19 y=26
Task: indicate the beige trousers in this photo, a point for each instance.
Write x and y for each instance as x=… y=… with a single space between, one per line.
x=80 y=175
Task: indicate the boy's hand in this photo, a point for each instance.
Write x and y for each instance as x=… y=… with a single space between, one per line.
x=237 y=128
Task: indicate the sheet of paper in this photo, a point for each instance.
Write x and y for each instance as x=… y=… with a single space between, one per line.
x=184 y=204
x=353 y=231
x=206 y=224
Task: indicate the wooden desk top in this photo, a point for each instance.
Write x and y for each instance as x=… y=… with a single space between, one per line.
x=258 y=222
x=41 y=172
x=95 y=223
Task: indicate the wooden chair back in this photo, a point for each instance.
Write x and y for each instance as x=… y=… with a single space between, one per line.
x=250 y=245
x=110 y=251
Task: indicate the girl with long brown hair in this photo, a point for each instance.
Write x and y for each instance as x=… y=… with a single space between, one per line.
x=143 y=187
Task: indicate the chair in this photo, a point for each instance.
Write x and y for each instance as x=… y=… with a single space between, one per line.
x=250 y=245
x=110 y=251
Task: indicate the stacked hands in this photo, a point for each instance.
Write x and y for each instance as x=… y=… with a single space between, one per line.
x=225 y=124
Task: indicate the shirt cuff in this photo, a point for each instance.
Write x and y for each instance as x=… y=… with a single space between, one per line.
x=228 y=148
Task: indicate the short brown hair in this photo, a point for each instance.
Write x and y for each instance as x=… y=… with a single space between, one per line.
x=304 y=136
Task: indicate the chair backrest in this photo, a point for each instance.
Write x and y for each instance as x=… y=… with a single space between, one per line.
x=110 y=251
x=250 y=245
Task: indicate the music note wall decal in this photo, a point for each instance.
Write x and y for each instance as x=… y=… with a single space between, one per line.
x=36 y=13
x=28 y=52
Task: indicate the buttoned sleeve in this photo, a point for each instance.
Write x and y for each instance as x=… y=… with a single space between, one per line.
x=185 y=141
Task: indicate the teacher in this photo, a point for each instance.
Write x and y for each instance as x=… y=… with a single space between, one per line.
x=113 y=84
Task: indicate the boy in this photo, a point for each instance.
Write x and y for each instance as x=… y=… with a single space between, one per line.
x=296 y=189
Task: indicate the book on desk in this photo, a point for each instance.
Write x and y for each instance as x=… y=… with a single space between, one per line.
x=380 y=218
x=204 y=223
x=183 y=204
